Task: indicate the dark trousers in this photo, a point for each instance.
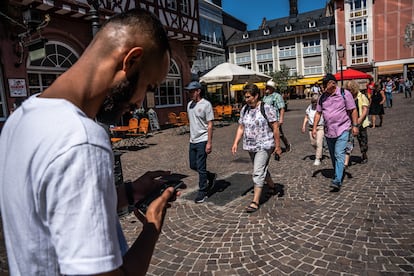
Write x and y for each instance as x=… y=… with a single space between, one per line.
x=283 y=137
x=198 y=163
x=363 y=139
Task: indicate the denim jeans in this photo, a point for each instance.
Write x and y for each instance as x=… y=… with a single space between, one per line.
x=198 y=162
x=337 y=148
x=388 y=98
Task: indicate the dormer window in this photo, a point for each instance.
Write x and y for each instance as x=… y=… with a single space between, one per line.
x=266 y=31
x=312 y=24
x=288 y=28
x=246 y=35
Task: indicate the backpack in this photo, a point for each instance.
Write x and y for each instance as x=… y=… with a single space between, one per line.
x=343 y=97
x=262 y=110
x=324 y=98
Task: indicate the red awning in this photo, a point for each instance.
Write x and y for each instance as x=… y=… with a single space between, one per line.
x=352 y=74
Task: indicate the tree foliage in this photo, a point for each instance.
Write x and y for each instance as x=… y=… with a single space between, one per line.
x=282 y=77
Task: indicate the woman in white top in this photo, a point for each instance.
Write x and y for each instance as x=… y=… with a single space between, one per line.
x=317 y=142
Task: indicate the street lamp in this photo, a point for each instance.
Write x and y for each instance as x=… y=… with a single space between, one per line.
x=341 y=53
x=94 y=14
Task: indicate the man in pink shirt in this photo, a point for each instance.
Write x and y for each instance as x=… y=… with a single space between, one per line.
x=335 y=104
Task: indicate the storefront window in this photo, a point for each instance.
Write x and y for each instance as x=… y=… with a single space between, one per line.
x=170 y=92
x=43 y=72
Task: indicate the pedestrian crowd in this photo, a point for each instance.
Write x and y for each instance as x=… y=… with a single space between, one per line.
x=64 y=194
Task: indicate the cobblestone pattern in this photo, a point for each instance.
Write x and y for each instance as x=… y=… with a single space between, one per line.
x=365 y=229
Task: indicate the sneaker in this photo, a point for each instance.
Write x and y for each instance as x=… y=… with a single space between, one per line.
x=201 y=197
x=335 y=188
x=317 y=162
x=211 y=181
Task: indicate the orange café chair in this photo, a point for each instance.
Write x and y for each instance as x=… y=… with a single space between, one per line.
x=143 y=126
x=133 y=125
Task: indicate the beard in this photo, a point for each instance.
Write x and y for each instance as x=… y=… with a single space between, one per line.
x=117 y=102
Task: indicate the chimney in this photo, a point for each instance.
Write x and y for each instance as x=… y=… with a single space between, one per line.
x=264 y=24
x=293 y=8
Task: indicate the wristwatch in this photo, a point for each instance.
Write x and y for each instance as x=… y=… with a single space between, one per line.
x=355 y=125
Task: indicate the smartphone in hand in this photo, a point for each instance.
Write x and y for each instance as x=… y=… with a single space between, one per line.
x=143 y=204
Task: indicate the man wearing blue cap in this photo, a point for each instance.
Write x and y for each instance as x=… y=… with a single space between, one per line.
x=201 y=116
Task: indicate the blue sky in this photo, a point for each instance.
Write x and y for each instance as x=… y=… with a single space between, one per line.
x=252 y=12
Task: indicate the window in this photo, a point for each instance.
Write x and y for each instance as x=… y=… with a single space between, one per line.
x=185 y=7
x=313 y=70
x=264 y=56
x=287 y=51
x=359 y=53
x=211 y=31
x=266 y=31
x=172 y=4
x=359 y=30
x=170 y=92
x=357 y=8
x=288 y=28
x=243 y=59
x=312 y=24
x=266 y=67
x=42 y=72
x=358 y=4
x=312 y=47
x=292 y=72
x=245 y=35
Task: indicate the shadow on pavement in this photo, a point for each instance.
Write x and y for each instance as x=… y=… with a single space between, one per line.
x=312 y=157
x=329 y=173
x=234 y=186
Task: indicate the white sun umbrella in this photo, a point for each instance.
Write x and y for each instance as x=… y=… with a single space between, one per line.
x=232 y=74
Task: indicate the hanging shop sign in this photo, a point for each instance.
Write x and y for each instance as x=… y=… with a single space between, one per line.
x=17 y=87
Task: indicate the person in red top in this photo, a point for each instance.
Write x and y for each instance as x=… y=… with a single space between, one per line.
x=370 y=87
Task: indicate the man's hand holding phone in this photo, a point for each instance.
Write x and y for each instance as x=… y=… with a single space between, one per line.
x=152 y=194
x=156 y=210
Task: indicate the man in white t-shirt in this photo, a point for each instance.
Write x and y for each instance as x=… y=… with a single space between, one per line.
x=316 y=89
x=57 y=191
x=201 y=116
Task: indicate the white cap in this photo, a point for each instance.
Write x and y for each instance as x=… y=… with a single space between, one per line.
x=271 y=83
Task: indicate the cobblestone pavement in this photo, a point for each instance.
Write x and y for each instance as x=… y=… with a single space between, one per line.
x=365 y=229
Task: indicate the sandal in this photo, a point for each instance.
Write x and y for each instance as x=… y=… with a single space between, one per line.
x=252 y=209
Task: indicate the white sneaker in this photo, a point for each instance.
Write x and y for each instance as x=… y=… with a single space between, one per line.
x=317 y=162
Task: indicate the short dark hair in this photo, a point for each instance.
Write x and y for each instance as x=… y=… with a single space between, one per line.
x=328 y=78
x=252 y=89
x=148 y=24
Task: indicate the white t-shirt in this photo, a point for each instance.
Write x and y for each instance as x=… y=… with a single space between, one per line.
x=199 y=116
x=311 y=115
x=57 y=193
x=316 y=90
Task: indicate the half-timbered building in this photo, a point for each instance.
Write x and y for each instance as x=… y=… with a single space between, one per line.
x=41 y=39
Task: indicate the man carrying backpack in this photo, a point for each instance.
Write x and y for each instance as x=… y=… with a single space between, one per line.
x=274 y=99
x=335 y=104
